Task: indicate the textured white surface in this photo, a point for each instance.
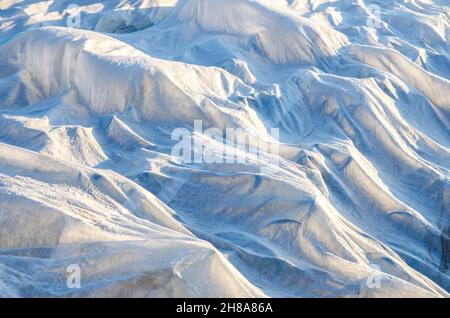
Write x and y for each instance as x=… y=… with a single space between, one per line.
x=87 y=176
